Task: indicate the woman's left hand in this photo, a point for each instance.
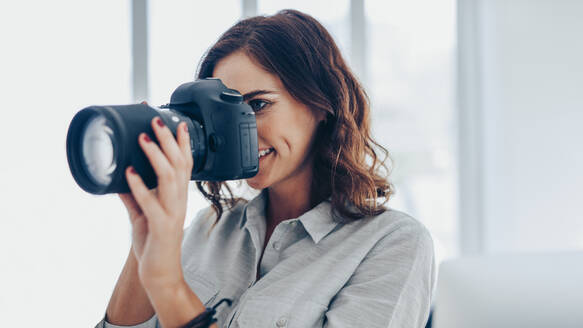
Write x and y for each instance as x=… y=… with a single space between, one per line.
x=157 y=235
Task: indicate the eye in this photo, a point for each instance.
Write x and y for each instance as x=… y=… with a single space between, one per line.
x=258 y=104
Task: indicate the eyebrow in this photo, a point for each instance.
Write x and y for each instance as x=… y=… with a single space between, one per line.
x=252 y=94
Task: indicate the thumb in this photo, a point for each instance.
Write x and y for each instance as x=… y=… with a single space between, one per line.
x=139 y=235
x=131 y=205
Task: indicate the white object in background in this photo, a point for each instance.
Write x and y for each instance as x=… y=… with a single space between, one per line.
x=514 y=290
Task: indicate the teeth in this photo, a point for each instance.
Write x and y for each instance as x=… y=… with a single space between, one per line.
x=265 y=152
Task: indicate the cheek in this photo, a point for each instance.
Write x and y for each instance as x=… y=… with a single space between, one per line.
x=267 y=130
x=300 y=135
x=289 y=129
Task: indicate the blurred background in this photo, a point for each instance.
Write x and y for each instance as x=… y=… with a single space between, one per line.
x=479 y=102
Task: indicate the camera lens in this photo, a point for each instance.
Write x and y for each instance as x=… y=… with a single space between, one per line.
x=102 y=142
x=98 y=150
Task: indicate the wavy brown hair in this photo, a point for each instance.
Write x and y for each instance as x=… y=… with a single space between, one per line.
x=300 y=51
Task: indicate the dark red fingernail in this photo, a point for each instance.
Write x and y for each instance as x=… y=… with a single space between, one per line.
x=159 y=121
x=147 y=138
x=132 y=170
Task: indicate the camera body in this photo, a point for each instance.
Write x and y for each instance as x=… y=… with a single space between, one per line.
x=228 y=125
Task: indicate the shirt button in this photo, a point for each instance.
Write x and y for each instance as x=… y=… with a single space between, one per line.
x=281 y=322
x=276 y=245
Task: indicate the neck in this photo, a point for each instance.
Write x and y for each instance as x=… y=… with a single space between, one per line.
x=289 y=205
x=289 y=199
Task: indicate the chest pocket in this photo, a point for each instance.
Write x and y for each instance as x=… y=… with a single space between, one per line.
x=263 y=311
x=203 y=284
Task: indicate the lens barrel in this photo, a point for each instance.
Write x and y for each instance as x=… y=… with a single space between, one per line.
x=103 y=140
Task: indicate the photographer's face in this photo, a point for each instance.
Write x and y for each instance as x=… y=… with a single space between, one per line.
x=284 y=125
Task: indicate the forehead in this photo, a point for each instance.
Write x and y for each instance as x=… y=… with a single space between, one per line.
x=238 y=71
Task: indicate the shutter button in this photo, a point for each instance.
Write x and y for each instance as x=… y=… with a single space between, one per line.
x=232 y=96
x=281 y=322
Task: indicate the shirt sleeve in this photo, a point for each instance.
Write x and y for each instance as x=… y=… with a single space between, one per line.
x=150 y=323
x=393 y=285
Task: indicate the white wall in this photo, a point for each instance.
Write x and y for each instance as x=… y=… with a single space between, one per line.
x=521 y=71
x=56 y=242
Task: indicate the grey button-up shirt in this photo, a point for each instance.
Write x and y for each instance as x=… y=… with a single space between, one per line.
x=375 y=272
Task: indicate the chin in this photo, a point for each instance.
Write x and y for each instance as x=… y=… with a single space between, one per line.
x=257 y=182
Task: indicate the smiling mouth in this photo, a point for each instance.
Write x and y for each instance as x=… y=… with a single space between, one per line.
x=265 y=152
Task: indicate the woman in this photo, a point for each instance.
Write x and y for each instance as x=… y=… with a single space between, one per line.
x=316 y=247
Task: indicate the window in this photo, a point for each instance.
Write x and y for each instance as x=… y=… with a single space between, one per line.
x=410 y=66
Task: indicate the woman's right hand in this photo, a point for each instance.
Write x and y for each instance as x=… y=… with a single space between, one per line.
x=137 y=220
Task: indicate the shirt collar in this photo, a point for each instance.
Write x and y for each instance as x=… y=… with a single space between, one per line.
x=318 y=222
x=255 y=209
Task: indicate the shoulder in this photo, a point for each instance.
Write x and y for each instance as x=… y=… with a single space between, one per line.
x=395 y=222
x=407 y=243
x=394 y=231
x=402 y=242
x=392 y=222
x=396 y=273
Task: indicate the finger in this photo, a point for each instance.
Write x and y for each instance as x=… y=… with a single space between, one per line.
x=139 y=235
x=168 y=144
x=164 y=170
x=145 y=199
x=184 y=145
x=131 y=205
x=166 y=173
